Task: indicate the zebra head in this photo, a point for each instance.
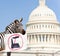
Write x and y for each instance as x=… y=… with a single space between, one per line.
x=15 y=27
x=18 y=26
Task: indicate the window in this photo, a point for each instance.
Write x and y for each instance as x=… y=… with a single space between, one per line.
x=42 y=25
x=37 y=26
x=36 y=37
x=50 y=38
x=32 y=36
x=40 y=37
x=45 y=26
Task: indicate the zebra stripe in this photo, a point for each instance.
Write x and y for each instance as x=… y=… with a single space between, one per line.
x=2 y=46
x=8 y=30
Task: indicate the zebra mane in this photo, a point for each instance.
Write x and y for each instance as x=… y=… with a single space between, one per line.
x=10 y=28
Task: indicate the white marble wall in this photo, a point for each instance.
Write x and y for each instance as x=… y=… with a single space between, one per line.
x=30 y=54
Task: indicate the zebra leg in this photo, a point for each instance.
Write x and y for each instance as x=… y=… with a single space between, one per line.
x=2 y=47
x=8 y=53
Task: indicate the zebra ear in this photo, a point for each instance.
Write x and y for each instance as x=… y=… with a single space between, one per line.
x=16 y=21
x=21 y=20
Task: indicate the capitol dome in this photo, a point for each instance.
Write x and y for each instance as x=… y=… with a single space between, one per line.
x=42 y=13
x=43 y=29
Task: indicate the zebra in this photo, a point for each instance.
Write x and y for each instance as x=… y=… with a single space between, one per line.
x=14 y=27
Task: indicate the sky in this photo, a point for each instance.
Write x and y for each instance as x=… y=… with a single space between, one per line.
x=15 y=9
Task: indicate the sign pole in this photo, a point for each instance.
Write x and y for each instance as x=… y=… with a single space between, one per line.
x=8 y=53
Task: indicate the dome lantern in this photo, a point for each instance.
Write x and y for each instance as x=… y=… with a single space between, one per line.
x=42 y=2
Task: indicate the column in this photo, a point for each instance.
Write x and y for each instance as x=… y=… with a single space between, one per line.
x=59 y=39
x=35 y=38
x=48 y=38
x=45 y=39
x=41 y=39
x=28 y=39
x=52 y=40
x=56 y=40
x=38 y=39
x=32 y=39
x=30 y=36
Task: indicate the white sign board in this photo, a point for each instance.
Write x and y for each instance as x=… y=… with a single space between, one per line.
x=14 y=42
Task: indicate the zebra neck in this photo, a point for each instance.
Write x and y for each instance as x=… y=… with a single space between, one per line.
x=8 y=32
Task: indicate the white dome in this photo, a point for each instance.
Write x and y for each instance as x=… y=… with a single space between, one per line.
x=42 y=14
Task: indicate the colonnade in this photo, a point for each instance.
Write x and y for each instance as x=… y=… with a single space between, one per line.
x=43 y=38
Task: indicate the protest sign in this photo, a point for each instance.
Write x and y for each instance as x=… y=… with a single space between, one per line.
x=15 y=41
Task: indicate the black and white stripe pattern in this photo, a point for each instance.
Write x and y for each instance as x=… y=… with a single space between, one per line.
x=9 y=30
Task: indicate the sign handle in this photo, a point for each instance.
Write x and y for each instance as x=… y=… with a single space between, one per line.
x=8 y=53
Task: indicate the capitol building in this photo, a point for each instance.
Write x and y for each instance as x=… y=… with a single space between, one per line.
x=43 y=30
x=43 y=33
